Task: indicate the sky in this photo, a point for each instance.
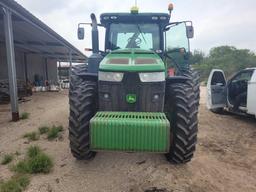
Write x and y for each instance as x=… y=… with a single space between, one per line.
x=216 y=23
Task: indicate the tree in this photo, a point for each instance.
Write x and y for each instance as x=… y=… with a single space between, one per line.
x=227 y=58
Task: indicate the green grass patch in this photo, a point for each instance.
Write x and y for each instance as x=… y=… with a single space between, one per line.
x=15 y=184
x=43 y=130
x=32 y=136
x=35 y=162
x=40 y=164
x=7 y=159
x=54 y=132
x=24 y=115
x=33 y=151
x=51 y=132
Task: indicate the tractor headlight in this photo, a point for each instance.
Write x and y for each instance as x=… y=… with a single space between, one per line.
x=110 y=76
x=152 y=77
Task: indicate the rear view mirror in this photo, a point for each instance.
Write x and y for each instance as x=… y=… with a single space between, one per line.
x=80 y=33
x=190 y=32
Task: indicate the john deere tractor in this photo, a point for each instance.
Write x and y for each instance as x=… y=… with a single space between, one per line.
x=139 y=94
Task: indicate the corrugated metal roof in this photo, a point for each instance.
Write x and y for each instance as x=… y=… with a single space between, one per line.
x=34 y=36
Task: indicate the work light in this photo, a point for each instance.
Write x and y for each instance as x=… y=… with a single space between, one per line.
x=110 y=76
x=152 y=77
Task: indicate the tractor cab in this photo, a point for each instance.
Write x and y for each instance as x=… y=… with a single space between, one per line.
x=148 y=31
x=144 y=31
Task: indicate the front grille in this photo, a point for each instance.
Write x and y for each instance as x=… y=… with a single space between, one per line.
x=131 y=84
x=131 y=115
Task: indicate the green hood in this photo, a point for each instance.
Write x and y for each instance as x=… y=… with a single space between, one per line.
x=132 y=60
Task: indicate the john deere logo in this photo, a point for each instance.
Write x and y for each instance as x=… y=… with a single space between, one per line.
x=131 y=98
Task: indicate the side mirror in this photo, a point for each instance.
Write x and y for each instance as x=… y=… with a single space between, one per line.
x=186 y=56
x=190 y=31
x=80 y=33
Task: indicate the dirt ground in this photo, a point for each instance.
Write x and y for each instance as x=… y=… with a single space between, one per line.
x=225 y=159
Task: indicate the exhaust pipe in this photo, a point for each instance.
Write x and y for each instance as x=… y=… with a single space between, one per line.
x=95 y=59
x=95 y=35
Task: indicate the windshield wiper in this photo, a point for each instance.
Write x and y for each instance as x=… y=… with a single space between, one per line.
x=141 y=34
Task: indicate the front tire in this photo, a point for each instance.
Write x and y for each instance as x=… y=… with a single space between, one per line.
x=83 y=102
x=181 y=110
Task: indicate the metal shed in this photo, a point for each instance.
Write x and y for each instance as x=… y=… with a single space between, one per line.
x=28 y=46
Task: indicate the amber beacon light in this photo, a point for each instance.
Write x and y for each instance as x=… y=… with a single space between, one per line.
x=170 y=8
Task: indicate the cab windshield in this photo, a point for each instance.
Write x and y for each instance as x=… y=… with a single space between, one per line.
x=142 y=36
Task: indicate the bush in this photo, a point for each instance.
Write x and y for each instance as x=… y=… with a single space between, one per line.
x=227 y=58
x=24 y=116
x=15 y=184
x=7 y=159
x=35 y=162
x=33 y=136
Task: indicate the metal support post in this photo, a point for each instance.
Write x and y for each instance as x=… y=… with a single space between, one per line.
x=70 y=62
x=58 y=68
x=11 y=63
x=46 y=69
x=26 y=67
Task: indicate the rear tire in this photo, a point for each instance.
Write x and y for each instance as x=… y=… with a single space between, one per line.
x=83 y=102
x=181 y=110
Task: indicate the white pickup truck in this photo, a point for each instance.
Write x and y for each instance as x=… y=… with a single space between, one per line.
x=237 y=95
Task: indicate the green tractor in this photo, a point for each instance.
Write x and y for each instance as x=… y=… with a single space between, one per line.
x=139 y=94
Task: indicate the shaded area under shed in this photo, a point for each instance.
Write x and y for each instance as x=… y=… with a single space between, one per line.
x=29 y=48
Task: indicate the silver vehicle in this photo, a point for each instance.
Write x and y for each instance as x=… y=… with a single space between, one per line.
x=237 y=95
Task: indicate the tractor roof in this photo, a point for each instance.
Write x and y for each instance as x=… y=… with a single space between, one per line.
x=159 y=18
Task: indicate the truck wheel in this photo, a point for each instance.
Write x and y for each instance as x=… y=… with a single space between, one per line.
x=217 y=110
x=83 y=102
x=181 y=110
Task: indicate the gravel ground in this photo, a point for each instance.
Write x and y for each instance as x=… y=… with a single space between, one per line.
x=225 y=159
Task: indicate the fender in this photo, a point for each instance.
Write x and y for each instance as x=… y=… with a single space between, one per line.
x=177 y=79
x=89 y=76
x=82 y=72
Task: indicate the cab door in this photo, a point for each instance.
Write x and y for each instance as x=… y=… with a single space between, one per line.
x=251 y=99
x=176 y=44
x=216 y=90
